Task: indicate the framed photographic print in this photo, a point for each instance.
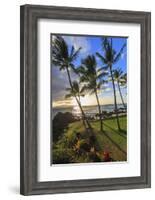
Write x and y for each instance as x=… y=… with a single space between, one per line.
x=85 y=99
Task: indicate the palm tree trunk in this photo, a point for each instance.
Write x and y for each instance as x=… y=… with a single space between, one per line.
x=83 y=114
x=99 y=109
x=121 y=94
x=115 y=101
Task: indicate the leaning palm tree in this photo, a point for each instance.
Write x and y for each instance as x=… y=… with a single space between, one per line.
x=110 y=57
x=90 y=77
x=76 y=91
x=64 y=58
x=118 y=77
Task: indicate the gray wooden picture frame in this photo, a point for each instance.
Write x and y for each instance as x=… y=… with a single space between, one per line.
x=30 y=14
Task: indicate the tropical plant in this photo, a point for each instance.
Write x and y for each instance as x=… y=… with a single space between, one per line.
x=118 y=77
x=75 y=90
x=91 y=78
x=110 y=57
x=64 y=58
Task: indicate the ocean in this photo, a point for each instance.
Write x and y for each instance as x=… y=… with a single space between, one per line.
x=89 y=110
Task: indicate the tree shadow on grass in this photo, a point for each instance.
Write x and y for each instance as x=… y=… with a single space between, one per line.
x=118 y=132
x=123 y=131
x=124 y=152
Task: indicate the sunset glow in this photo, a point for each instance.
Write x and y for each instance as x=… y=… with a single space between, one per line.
x=88 y=100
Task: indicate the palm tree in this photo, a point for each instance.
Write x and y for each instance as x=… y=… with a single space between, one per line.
x=109 y=58
x=118 y=77
x=64 y=59
x=90 y=77
x=123 y=79
x=76 y=91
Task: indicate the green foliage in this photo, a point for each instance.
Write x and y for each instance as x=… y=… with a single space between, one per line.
x=60 y=123
x=61 y=56
x=77 y=146
x=62 y=156
x=90 y=75
x=75 y=91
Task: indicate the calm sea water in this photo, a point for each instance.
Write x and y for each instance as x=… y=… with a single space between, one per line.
x=89 y=110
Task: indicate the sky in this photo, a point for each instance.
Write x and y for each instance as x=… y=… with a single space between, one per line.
x=90 y=45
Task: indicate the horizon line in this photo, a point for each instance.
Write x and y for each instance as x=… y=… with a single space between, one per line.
x=70 y=106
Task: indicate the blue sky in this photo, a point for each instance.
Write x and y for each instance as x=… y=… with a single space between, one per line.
x=90 y=45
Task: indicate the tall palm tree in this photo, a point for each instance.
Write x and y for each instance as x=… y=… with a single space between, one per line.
x=64 y=59
x=118 y=77
x=76 y=91
x=110 y=57
x=90 y=77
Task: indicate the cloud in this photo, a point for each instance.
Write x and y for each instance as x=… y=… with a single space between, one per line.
x=108 y=89
x=123 y=55
x=62 y=103
x=78 y=42
x=60 y=83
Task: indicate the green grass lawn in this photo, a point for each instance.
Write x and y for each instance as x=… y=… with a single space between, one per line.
x=110 y=140
x=113 y=140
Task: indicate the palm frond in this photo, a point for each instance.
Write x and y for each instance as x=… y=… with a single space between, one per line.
x=81 y=69
x=59 y=51
x=75 y=86
x=72 y=51
x=99 y=85
x=102 y=75
x=117 y=57
x=82 y=91
x=105 y=44
x=117 y=74
x=75 y=54
x=72 y=67
x=105 y=68
x=68 y=89
x=104 y=61
x=123 y=79
x=67 y=96
x=109 y=52
x=89 y=64
x=88 y=89
x=61 y=56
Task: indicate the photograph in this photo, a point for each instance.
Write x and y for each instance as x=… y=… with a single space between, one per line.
x=85 y=99
x=89 y=99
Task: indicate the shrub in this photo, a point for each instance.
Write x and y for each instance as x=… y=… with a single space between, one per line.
x=62 y=156
x=60 y=123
